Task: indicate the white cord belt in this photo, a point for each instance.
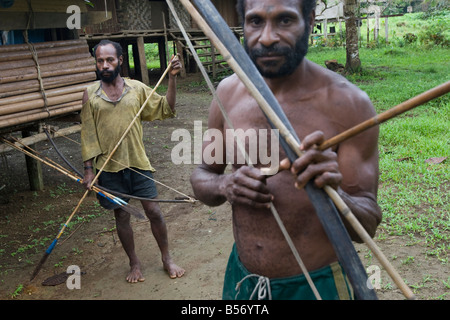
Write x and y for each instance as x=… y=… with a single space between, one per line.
x=263 y=287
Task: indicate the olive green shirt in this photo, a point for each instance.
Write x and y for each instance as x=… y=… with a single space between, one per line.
x=103 y=123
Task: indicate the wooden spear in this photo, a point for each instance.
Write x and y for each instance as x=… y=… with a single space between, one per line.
x=50 y=248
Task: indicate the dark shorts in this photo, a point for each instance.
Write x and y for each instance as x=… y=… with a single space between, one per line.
x=239 y=284
x=133 y=182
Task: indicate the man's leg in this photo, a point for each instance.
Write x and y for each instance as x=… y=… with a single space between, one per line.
x=126 y=237
x=159 y=230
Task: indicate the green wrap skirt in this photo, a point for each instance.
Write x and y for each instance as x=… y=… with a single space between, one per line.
x=240 y=284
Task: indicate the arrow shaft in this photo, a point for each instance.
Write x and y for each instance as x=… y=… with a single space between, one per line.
x=389 y=114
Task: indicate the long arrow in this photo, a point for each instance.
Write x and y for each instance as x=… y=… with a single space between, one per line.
x=407 y=105
x=227 y=44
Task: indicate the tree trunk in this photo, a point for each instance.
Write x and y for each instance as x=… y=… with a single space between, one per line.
x=351 y=29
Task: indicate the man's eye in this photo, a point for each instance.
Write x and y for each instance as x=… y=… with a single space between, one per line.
x=285 y=21
x=255 y=21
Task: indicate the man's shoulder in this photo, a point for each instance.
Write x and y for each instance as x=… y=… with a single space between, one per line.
x=325 y=75
x=340 y=92
x=230 y=84
x=335 y=83
x=136 y=84
x=93 y=86
x=90 y=90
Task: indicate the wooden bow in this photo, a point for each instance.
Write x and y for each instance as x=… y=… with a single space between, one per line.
x=233 y=53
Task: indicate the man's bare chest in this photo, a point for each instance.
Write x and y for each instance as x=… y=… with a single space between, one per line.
x=304 y=117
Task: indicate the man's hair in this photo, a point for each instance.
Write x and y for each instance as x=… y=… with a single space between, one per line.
x=306 y=5
x=117 y=46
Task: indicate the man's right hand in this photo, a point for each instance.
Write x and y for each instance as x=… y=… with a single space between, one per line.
x=246 y=186
x=88 y=178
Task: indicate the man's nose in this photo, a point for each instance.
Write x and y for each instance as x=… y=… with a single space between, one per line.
x=105 y=65
x=269 y=35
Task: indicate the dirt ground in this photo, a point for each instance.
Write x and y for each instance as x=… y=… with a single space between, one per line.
x=200 y=237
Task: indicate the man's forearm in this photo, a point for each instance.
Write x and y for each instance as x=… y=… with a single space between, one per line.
x=88 y=173
x=365 y=209
x=88 y=164
x=207 y=187
x=172 y=91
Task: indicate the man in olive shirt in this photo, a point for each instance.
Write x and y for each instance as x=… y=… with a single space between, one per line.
x=109 y=106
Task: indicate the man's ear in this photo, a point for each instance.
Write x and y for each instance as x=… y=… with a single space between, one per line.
x=120 y=60
x=312 y=20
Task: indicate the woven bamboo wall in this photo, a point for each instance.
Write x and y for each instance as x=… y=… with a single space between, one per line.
x=135 y=15
x=184 y=16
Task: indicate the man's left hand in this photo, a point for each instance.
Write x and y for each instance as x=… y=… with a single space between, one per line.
x=320 y=166
x=176 y=65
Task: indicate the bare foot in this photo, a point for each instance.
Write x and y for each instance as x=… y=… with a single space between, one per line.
x=173 y=270
x=135 y=274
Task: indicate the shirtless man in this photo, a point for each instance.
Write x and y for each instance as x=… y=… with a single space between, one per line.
x=319 y=105
x=109 y=106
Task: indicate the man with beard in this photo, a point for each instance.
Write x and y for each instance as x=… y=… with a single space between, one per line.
x=109 y=106
x=319 y=104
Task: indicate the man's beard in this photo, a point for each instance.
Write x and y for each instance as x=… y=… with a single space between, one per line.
x=292 y=57
x=111 y=75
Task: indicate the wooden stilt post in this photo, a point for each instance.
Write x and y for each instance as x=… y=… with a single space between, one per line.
x=34 y=170
x=142 y=61
x=126 y=59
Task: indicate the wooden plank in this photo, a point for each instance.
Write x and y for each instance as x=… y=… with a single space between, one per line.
x=44 y=6
x=46 y=20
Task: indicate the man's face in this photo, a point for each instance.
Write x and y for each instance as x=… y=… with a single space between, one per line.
x=108 y=64
x=276 y=35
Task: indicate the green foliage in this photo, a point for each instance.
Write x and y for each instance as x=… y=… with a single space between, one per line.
x=151 y=55
x=410 y=38
x=89 y=3
x=425 y=29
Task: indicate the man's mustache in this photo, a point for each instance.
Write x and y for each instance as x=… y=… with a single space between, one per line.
x=270 y=51
x=106 y=72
